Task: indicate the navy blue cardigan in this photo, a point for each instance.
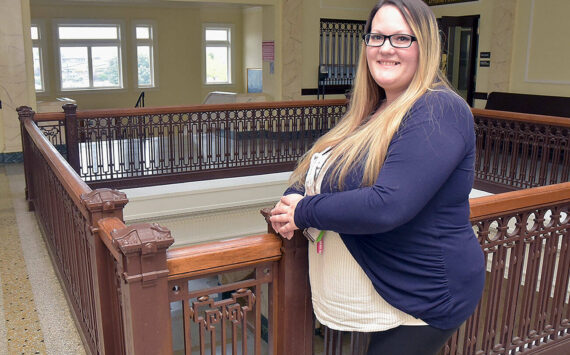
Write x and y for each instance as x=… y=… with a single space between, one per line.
x=410 y=231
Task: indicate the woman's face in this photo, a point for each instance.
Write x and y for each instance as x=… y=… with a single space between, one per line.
x=392 y=68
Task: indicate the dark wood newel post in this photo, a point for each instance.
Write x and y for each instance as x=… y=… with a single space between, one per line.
x=71 y=135
x=295 y=327
x=25 y=113
x=103 y=203
x=144 y=288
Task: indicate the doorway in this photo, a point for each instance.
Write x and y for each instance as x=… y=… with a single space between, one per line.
x=460 y=37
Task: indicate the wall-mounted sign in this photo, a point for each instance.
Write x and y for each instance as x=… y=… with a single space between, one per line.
x=444 y=2
x=268 y=50
x=485 y=55
x=484 y=63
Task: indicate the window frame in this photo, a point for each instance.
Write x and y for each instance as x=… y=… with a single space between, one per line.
x=153 y=43
x=89 y=43
x=40 y=43
x=228 y=44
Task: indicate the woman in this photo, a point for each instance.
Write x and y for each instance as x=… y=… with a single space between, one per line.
x=385 y=195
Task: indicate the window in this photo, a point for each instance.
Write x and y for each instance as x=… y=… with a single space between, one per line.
x=89 y=56
x=217 y=45
x=37 y=55
x=145 y=45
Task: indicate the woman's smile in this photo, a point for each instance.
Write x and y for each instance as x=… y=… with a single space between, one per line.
x=392 y=68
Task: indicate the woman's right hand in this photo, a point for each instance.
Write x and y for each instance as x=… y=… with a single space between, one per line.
x=282 y=215
x=277 y=225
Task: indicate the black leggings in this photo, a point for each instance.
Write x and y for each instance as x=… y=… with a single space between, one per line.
x=408 y=340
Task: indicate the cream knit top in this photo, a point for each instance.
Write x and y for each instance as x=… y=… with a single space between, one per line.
x=343 y=296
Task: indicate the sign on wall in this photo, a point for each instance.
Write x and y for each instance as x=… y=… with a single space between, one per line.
x=444 y=2
x=268 y=50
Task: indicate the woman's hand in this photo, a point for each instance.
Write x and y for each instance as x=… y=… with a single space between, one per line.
x=283 y=215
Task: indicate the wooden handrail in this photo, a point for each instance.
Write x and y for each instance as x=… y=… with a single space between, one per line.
x=502 y=115
x=106 y=227
x=200 y=108
x=488 y=206
x=522 y=117
x=64 y=172
x=49 y=116
x=222 y=255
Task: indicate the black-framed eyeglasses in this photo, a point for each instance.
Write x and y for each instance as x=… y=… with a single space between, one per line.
x=396 y=40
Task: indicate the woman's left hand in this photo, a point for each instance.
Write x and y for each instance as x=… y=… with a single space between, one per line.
x=283 y=215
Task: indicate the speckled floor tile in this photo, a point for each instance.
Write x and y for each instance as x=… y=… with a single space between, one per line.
x=60 y=334
x=22 y=326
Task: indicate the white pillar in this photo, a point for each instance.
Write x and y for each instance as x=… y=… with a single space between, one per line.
x=16 y=70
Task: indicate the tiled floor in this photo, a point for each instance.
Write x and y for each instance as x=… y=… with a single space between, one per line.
x=34 y=315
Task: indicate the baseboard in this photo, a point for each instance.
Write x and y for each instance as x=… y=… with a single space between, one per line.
x=11 y=158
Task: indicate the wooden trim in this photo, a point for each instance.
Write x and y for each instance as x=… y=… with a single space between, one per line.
x=487 y=206
x=72 y=183
x=220 y=255
x=522 y=117
x=49 y=116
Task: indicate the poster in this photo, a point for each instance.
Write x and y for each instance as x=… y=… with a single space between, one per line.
x=254 y=80
x=268 y=50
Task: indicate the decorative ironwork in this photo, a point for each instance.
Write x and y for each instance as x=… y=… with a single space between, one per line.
x=270 y=138
x=527 y=250
x=227 y=317
x=526 y=291
x=525 y=300
x=516 y=155
x=67 y=235
x=131 y=150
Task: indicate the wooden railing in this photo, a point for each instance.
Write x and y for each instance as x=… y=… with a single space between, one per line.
x=66 y=210
x=149 y=146
x=525 y=236
x=517 y=151
x=123 y=285
x=141 y=147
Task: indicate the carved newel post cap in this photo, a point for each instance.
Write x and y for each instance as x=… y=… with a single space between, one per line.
x=69 y=107
x=104 y=200
x=146 y=238
x=24 y=112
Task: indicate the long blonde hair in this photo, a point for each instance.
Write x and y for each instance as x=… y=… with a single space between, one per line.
x=362 y=135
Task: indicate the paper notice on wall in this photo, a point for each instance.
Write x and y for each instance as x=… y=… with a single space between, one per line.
x=268 y=50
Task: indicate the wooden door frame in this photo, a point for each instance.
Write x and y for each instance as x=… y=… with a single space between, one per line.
x=471 y=21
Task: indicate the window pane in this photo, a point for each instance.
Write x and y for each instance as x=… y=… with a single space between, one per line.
x=35 y=32
x=144 y=65
x=217 y=65
x=143 y=32
x=74 y=67
x=88 y=32
x=216 y=35
x=105 y=66
x=37 y=69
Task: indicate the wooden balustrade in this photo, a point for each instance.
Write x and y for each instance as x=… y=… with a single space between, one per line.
x=122 y=283
x=138 y=299
x=147 y=146
x=517 y=151
x=525 y=238
x=56 y=193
